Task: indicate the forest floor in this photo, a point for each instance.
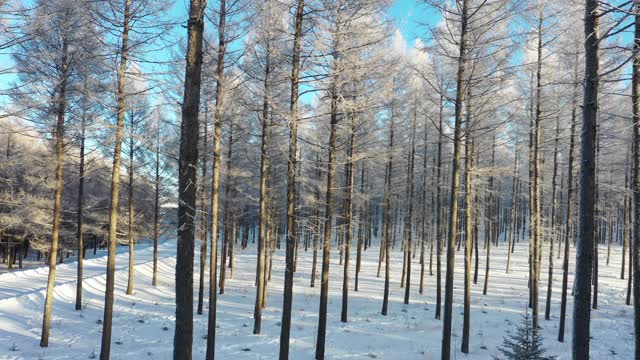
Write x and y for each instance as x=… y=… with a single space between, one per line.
x=144 y=322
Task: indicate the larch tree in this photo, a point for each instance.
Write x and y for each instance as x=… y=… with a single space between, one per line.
x=50 y=58
x=287 y=301
x=189 y=134
x=585 y=241
x=635 y=180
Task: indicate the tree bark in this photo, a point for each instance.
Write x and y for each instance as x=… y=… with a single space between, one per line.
x=156 y=209
x=386 y=245
x=491 y=214
x=188 y=164
x=215 y=180
x=439 y=213
x=57 y=202
x=635 y=263
x=514 y=205
x=408 y=233
x=568 y=213
x=349 y=176
x=468 y=244
x=554 y=205
x=584 y=252
x=423 y=232
x=227 y=237
x=285 y=328
x=361 y=225
x=264 y=172
x=455 y=184
x=130 y=228
x=324 y=285
x=204 y=232
x=536 y=217
x=79 y=234
x=316 y=225
x=105 y=349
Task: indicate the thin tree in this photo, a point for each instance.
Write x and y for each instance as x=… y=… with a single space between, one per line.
x=349 y=176
x=635 y=88
x=361 y=225
x=568 y=212
x=105 y=349
x=204 y=231
x=386 y=241
x=554 y=205
x=287 y=302
x=60 y=106
x=264 y=171
x=455 y=181
x=81 y=175
x=536 y=214
x=408 y=233
x=215 y=180
x=468 y=236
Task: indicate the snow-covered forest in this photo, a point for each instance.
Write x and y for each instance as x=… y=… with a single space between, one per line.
x=298 y=179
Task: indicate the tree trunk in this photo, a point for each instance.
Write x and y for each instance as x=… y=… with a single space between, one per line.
x=490 y=219
x=79 y=234
x=455 y=185
x=536 y=225
x=105 y=349
x=227 y=220
x=156 y=209
x=584 y=252
x=324 y=286
x=349 y=176
x=189 y=134
x=57 y=202
x=264 y=172
x=438 y=210
x=568 y=213
x=130 y=228
x=554 y=205
x=316 y=225
x=204 y=232
x=514 y=204
x=215 y=180
x=468 y=245
x=635 y=263
x=387 y=216
x=423 y=232
x=287 y=304
x=408 y=233
x=361 y=225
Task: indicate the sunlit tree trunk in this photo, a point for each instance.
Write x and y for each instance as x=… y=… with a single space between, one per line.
x=188 y=165
x=61 y=106
x=105 y=348
x=215 y=180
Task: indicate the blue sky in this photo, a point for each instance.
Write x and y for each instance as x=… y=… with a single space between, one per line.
x=411 y=16
x=408 y=15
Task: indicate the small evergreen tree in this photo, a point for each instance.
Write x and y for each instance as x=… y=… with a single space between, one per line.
x=523 y=344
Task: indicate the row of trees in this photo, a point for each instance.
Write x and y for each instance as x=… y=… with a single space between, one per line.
x=423 y=148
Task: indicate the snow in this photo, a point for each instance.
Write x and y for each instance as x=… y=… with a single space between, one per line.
x=143 y=322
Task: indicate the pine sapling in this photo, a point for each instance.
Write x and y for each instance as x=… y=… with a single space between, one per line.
x=524 y=344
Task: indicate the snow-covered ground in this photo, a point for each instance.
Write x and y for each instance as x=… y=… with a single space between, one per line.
x=143 y=322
